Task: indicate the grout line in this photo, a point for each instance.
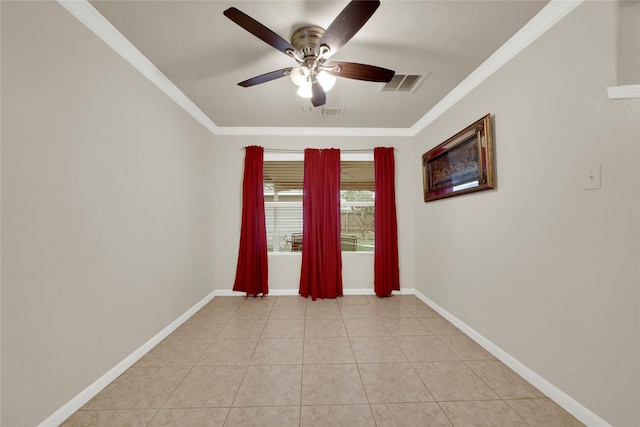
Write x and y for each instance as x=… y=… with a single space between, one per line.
x=235 y=309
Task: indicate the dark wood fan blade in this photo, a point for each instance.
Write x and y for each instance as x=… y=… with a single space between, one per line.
x=319 y=97
x=258 y=30
x=369 y=73
x=348 y=23
x=267 y=77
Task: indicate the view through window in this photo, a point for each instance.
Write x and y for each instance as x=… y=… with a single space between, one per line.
x=283 y=204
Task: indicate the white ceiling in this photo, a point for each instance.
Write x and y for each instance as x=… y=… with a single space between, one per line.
x=205 y=55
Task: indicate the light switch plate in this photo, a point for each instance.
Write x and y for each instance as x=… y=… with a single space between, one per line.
x=591 y=180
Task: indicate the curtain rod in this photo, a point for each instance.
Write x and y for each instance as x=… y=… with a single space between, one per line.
x=285 y=150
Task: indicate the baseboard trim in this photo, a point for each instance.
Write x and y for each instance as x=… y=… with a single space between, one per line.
x=561 y=398
x=290 y=292
x=88 y=393
x=571 y=405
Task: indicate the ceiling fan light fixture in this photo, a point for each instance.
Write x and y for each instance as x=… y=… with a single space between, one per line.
x=311 y=46
x=300 y=75
x=326 y=80
x=305 y=90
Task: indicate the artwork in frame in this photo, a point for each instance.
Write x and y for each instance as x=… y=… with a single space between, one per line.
x=462 y=164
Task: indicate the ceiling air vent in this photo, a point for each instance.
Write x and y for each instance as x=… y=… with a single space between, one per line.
x=402 y=83
x=332 y=112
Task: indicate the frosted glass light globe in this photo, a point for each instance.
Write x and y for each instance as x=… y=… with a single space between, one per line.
x=326 y=80
x=305 y=90
x=299 y=75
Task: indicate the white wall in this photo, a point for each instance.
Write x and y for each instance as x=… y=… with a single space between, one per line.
x=103 y=210
x=284 y=269
x=542 y=268
x=119 y=212
x=628 y=43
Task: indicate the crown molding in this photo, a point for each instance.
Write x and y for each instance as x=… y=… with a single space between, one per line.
x=313 y=131
x=84 y=12
x=551 y=14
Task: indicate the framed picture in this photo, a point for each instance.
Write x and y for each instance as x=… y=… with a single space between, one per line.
x=462 y=164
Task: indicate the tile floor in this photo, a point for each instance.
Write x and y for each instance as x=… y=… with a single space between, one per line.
x=289 y=361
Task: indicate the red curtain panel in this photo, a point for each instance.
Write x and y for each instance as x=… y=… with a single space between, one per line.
x=386 y=271
x=321 y=272
x=252 y=270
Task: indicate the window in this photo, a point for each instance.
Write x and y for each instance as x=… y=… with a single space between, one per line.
x=283 y=203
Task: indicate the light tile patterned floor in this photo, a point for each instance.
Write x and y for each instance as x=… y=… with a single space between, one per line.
x=289 y=361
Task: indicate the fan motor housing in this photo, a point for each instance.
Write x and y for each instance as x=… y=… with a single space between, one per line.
x=306 y=40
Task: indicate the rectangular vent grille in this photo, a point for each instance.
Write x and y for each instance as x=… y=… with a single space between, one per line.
x=332 y=112
x=402 y=83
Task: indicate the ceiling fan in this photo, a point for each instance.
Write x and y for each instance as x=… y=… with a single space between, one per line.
x=311 y=47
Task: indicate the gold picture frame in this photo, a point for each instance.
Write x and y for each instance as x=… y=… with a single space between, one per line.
x=462 y=164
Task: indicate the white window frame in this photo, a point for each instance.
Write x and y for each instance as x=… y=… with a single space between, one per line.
x=294 y=156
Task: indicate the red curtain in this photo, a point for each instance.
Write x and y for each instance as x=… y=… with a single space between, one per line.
x=386 y=271
x=321 y=273
x=252 y=270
